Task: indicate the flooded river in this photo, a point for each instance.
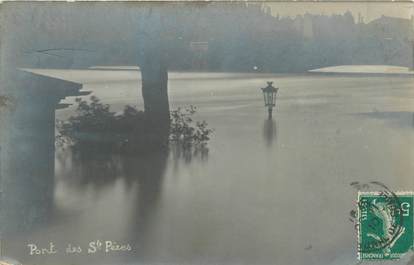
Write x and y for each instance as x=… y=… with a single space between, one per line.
x=268 y=191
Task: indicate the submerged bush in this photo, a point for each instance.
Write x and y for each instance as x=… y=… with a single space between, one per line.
x=96 y=129
x=6 y=102
x=183 y=131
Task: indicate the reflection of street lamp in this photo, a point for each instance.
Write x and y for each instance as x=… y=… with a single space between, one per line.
x=269 y=95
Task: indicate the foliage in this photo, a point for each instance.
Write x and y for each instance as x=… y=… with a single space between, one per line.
x=96 y=129
x=5 y=102
x=183 y=131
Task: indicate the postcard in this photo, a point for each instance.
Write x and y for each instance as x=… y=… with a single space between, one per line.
x=206 y=132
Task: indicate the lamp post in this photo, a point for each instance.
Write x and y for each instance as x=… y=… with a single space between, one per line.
x=269 y=96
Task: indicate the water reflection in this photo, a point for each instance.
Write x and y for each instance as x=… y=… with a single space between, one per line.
x=94 y=169
x=27 y=182
x=269 y=132
x=100 y=170
x=25 y=204
x=189 y=154
x=396 y=119
x=127 y=187
x=149 y=172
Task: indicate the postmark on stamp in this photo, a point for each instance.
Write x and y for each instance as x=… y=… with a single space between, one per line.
x=385 y=224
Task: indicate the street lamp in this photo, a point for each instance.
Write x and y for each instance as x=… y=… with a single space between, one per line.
x=269 y=95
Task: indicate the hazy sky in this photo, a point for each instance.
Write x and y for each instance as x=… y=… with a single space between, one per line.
x=368 y=10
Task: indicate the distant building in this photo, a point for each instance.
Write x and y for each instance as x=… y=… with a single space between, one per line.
x=199 y=46
x=304 y=25
x=392 y=26
x=395 y=32
x=308 y=27
x=360 y=19
x=199 y=50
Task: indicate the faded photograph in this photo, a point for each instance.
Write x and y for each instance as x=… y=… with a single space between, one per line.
x=201 y=132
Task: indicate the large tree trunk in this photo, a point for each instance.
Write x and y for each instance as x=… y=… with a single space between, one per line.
x=153 y=63
x=155 y=88
x=157 y=111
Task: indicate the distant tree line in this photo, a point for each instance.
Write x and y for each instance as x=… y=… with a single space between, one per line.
x=248 y=38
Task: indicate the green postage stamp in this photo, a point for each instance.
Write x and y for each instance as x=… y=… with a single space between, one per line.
x=385 y=224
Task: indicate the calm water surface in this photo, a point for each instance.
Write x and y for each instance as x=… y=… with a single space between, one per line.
x=268 y=192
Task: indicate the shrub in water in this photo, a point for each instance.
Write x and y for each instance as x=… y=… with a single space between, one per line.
x=96 y=129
